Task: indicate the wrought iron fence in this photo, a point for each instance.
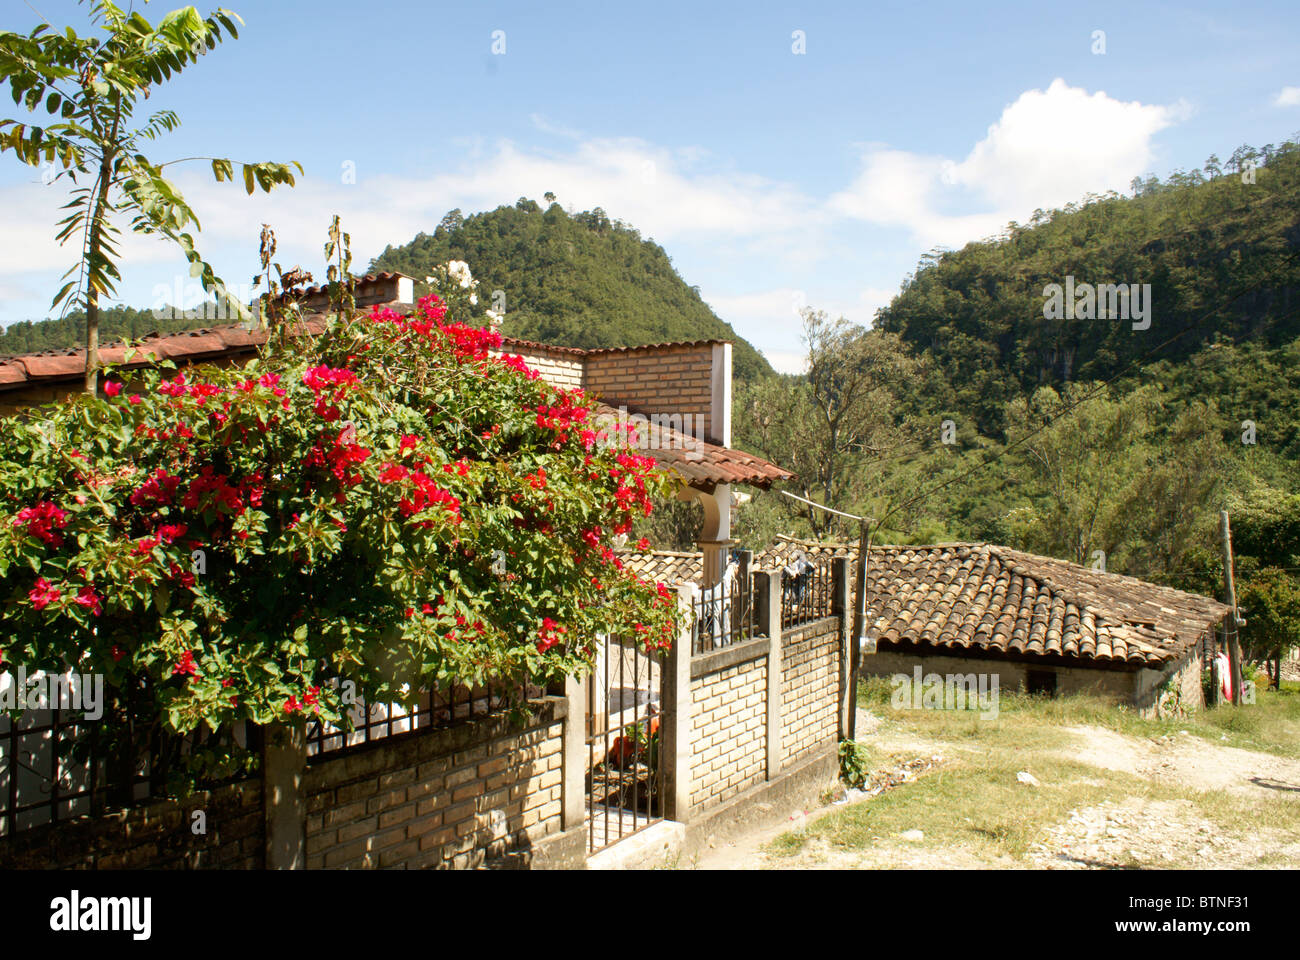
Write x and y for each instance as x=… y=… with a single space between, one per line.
x=806 y=591
x=724 y=613
x=624 y=765
x=55 y=765
x=434 y=709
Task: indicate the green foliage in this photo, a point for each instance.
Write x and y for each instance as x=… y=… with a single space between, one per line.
x=580 y=280
x=90 y=87
x=385 y=506
x=855 y=763
x=1219 y=255
x=115 y=323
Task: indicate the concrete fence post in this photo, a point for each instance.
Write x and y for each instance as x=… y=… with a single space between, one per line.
x=677 y=716
x=573 y=811
x=284 y=761
x=767 y=603
x=840 y=580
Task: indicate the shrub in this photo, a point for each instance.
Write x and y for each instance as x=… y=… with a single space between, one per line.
x=387 y=504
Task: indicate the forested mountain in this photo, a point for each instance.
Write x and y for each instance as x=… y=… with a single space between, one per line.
x=978 y=408
x=115 y=323
x=1219 y=254
x=582 y=280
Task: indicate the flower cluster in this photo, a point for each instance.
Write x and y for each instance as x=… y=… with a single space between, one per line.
x=392 y=503
x=43 y=522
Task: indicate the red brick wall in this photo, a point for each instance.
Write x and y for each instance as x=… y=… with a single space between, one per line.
x=649 y=380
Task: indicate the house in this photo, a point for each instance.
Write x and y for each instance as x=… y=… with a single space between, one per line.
x=677 y=394
x=1042 y=625
x=458 y=780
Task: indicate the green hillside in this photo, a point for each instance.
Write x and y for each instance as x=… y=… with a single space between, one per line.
x=115 y=323
x=1220 y=256
x=581 y=280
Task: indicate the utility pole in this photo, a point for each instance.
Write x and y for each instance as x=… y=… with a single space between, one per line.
x=1234 y=648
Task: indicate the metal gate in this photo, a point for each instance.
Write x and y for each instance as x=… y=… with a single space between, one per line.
x=624 y=765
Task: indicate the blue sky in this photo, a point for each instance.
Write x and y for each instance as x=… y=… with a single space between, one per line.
x=772 y=178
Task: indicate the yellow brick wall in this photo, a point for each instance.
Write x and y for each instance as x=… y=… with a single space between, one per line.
x=402 y=808
x=810 y=689
x=556 y=368
x=728 y=732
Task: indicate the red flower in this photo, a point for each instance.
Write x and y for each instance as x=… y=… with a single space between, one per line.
x=145 y=545
x=134 y=398
x=87 y=597
x=549 y=634
x=43 y=594
x=171 y=531
x=42 y=521
x=112 y=388
x=158 y=490
x=186 y=666
x=643 y=544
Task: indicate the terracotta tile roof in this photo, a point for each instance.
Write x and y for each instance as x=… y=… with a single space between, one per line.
x=664 y=566
x=362 y=285
x=517 y=344
x=978 y=596
x=191 y=346
x=514 y=343
x=699 y=463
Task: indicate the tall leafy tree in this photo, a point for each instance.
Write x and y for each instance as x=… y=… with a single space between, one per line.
x=91 y=87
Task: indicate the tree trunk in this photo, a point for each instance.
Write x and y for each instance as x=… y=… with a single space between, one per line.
x=92 y=292
x=92 y=342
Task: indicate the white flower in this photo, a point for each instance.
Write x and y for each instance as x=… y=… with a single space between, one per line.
x=473 y=299
x=459 y=270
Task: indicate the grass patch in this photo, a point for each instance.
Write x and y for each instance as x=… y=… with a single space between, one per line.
x=1271 y=725
x=975 y=801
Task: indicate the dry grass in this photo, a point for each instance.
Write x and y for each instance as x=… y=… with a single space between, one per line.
x=974 y=803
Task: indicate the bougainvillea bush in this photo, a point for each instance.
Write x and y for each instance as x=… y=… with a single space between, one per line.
x=387 y=504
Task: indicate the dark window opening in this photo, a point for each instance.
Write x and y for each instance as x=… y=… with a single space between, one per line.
x=1041 y=683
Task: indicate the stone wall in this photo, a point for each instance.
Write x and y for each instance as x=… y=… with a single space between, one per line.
x=1137 y=687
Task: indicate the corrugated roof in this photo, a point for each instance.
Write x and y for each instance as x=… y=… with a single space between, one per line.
x=978 y=596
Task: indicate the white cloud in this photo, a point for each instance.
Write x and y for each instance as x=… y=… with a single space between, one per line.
x=1049 y=148
x=785 y=361
x=1287 y=97
x=770 y=319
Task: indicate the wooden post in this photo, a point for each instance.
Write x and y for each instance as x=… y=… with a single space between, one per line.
x=859 y=628
x=840 y=574
x=1234 y=648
